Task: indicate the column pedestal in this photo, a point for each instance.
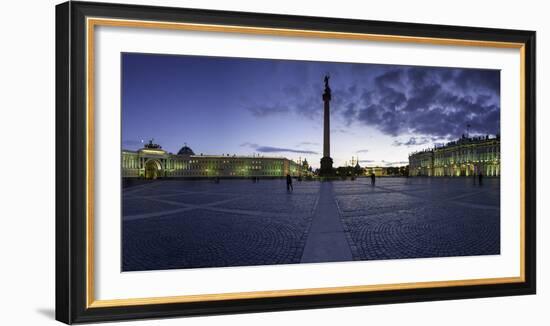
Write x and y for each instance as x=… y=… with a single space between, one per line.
x=326 y=167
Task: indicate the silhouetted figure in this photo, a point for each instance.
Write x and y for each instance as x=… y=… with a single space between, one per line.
x=372 y=179
x=289 y=186
x=217 y=180
x=480 y=178
x=475 y=178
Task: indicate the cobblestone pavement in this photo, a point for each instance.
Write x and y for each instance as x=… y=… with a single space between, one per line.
x=191 y=224
x=420 y=217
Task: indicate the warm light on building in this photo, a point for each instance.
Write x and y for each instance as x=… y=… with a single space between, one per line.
x=463 y=157
x=152 y=162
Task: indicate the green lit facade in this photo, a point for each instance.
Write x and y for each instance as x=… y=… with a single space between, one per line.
x=152 y=162
x=463 y=157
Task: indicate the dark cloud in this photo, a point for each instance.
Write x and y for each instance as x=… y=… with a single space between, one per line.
x=308 y=106
x=362 y=151
x=412 y=141
x=436 y=102
x=399 y=100
x=367 y=161
x=349 y=113
x=480 y=79
x=264 y=110
x=340 y=130
x=271 y=149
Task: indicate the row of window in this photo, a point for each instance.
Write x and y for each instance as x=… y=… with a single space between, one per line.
x=452 y=159
x=135 y=162
x=203 y=173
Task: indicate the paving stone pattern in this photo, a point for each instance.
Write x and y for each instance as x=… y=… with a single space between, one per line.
x=171 y=224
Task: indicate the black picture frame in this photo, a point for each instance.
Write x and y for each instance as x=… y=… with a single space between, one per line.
x=71 y=157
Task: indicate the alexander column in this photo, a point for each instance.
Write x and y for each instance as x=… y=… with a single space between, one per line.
x=326 y=161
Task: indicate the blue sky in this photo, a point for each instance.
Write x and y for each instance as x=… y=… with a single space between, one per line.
x=244 y=106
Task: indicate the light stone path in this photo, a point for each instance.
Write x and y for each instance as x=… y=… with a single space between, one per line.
x=186 y=207
x=209 y=206
x=326 y=240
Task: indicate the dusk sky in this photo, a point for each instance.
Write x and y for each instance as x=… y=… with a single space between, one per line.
x=242 y=106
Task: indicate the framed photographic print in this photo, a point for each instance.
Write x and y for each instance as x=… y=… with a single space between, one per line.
x=214 y=162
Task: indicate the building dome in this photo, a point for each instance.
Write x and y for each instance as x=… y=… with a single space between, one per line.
x=186 y=150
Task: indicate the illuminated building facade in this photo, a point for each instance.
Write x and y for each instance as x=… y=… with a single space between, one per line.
x=463 y=157
x=152 y=162
x=386 y=171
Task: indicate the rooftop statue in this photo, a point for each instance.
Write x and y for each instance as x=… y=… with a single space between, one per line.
x=327 y=77
x=152 y=145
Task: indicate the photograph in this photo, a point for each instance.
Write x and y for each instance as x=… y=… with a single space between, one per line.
x=225 y=160
x=236 y=161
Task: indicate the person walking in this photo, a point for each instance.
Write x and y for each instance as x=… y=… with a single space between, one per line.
x=480 y=178
x=372 y=179
x=289 y=186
